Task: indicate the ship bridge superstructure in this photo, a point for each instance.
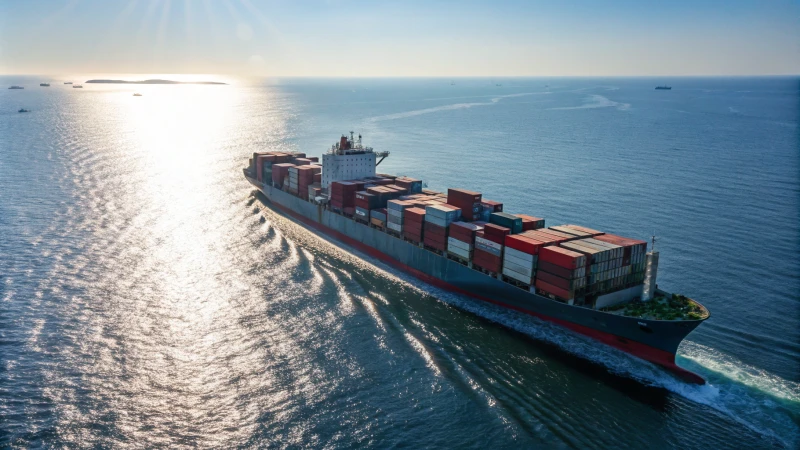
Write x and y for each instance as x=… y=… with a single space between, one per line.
x=349 y=159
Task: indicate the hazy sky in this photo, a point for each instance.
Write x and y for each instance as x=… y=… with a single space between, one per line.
x=401 y=38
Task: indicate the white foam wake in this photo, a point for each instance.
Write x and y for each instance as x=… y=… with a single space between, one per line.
x=597 y=101
x=454 y=106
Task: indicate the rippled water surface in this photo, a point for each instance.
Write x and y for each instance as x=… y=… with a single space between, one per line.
x=148 y=297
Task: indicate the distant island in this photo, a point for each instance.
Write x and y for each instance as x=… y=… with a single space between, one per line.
x=153 y=82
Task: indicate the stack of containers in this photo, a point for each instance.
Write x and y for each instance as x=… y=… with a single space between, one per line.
x=489 y=245
x=520 y=258
x=395 y=217
x=302 y=161
x=413 y=185
x=509 y=221
x=263 y=163
x=488 y=207
x=468 y=201
x=572 y=231
x=412 y=228
x=604 y=263
x=313 y=158
x=279 y=172
x=461 y=240
x=561 y=273
x=364 y=203
x=314 y=190
x=343 y=194
x=305 y=179
x=633 y=259
x=530 y=222
x=437 y=220
x=377 y=217
x=293 y=180
x=542 y=236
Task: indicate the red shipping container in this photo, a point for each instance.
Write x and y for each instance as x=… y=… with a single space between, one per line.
x=493 y=230
x=523 y=244
x=563 y=272
x=556 y=281
x=562 y=257
x=496 y=239
x=463 y=196
x=492 y=205
x=435 y=230
x=555 y=290
x=558 y=234
x=530 y=222
x=543 y=237
x=486 y=260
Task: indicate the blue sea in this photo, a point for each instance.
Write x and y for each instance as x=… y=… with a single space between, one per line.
x=149 y=297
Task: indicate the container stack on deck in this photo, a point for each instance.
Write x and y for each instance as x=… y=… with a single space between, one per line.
x=461 y=239
x=280 y=173
x=343 y=195
x=488 y=253
x=413 y=226
x=437 y=221
x=413 y=185
x=377 y=217
x=520 y=258
x=510 y=221
x=468 y=201
x=561 y=273
x=396 y=214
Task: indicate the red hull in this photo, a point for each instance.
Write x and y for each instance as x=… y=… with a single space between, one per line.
x=645 y=352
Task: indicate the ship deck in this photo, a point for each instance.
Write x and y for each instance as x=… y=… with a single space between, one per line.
x=663 y=306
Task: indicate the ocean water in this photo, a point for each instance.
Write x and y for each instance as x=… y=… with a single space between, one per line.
x=148 y=297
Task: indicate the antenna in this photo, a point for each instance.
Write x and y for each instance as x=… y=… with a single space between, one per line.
x=351 y=137
x=653 y=238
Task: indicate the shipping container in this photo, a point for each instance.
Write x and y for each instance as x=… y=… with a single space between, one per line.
x=522 y=278
x=562 y=257
x=585 y=229
x=523 y=244
x=509 y=221
x=555 y=290
x=530 y=222
x=571 y=231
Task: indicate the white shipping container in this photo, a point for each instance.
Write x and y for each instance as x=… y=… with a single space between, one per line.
x=394 y=226
x=519 y=262
x=517 y=276
x=520 y=255
x=396 y=213
x=461 y=253
x=452 y=242
x=488 y=243
x=524 y=270
x=491 y=250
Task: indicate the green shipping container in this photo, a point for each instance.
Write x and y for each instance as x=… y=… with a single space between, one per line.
x=509 y=221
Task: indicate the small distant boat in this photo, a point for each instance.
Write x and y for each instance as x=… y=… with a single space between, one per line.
x=16 y=87
x=68 y=82
x=44 y=84
x=77 y=86
x=663 y=88
x=137 y=95
x=23 y=110
x=452 y=83
x=498 y=84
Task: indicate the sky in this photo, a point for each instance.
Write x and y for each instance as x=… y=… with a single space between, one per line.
x=343 y=38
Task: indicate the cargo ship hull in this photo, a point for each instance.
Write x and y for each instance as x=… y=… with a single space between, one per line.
x=652 y=340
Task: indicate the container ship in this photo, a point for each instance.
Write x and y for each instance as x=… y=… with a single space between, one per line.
x=595 y=283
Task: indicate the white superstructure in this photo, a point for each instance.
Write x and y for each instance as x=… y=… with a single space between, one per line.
x=349 y=160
